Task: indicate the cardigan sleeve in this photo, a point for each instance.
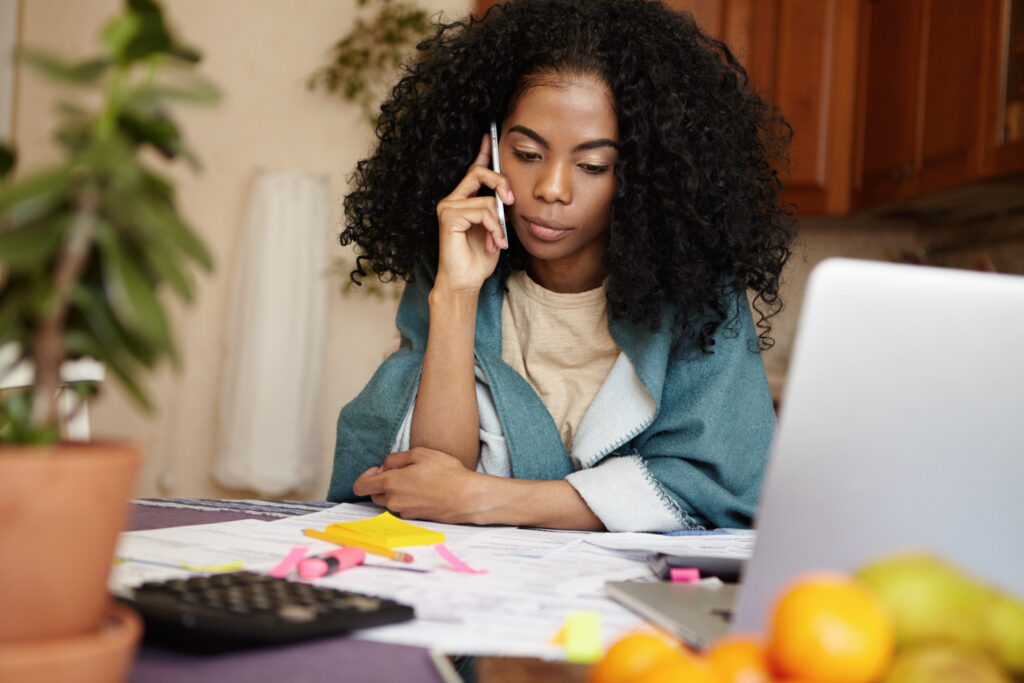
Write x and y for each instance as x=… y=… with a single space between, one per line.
x=368 y=425
x=701 y=461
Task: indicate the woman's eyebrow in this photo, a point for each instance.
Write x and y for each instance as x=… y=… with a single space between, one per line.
x=583 y=146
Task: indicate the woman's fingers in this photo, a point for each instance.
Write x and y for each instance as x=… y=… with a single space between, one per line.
x=397 y=460
x=483 y=158
x=462 y=215
x=481 y=176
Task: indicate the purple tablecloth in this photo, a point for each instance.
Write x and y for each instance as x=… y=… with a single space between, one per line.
x=320 y=661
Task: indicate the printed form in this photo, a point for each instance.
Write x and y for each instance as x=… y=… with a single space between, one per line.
x=532 y=578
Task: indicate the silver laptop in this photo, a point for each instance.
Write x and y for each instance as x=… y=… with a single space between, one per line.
x=902 y=428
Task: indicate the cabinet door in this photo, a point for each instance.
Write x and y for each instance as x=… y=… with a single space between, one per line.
x=950 y=118
x=924 y=66
x=801 y=56
x=812 y=80
x=1005 y=133
x=890 y=68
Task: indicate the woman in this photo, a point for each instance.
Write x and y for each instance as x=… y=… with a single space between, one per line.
x=603 y=371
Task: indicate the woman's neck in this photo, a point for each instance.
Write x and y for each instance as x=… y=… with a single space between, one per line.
x=566 y=278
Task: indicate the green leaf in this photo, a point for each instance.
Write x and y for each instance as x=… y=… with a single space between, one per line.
x=118 y=33
x=132 y=298
x=12 y=310
x=71 y=73
x=157 y=217
x=158 y=131
x=30 y=247
x=191 y=90
x=16 y=421
x=86 y=346
x=27 y=199
x=101 y=324
x=8 y=158
x=185 y=53
x=163 y=262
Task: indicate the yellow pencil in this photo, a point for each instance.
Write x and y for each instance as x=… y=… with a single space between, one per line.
x=368 y=547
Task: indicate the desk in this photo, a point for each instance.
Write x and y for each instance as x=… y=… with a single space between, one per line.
x=320 y=661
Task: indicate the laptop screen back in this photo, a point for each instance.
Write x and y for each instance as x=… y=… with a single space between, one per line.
x=902 y=427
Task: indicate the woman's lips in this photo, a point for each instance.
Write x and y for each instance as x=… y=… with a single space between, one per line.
x=546 y=230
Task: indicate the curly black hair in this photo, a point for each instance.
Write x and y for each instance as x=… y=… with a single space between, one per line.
x=697 y=216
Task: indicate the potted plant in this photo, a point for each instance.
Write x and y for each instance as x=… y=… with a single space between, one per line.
x=87 y=247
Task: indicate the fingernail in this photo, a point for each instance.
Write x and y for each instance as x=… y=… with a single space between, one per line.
x=509 y=197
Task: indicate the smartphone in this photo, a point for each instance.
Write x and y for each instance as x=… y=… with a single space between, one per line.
x=496 y=167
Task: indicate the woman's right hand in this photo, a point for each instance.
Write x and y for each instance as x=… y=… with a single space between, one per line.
x=470 y=234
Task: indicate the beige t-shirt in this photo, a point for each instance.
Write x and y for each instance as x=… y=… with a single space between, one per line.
x=560 y=343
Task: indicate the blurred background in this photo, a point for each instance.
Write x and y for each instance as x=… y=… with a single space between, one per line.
x=908 y=120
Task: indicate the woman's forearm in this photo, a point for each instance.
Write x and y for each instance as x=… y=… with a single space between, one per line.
x=526 y=502
x=446 y=416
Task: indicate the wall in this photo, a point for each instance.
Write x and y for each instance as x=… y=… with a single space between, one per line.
x=259 y=52
x=8 y=35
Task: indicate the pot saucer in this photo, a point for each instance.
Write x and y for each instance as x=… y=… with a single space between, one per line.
x=103 y=656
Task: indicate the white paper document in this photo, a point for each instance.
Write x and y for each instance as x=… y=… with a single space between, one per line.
x=533 y=578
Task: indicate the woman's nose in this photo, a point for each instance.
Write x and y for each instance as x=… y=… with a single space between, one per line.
x=555 y=184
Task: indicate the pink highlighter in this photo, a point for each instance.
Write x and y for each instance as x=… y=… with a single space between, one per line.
x=330 y=563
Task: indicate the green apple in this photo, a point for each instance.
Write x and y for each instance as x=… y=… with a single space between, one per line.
x=941 y=663
x=1006 y=632
x=930 y=600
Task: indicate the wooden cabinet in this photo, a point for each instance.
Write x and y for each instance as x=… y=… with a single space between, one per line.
x=888 y=99
x=802 y=56
x=1005 y=124
x=923 y=97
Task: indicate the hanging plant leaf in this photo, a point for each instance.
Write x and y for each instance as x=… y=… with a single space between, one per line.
x=83 y=73
x=367 y=58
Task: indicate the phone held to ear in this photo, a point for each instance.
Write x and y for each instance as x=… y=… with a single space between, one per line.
x=496 y=167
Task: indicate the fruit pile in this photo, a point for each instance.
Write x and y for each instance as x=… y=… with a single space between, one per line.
x=904 y=619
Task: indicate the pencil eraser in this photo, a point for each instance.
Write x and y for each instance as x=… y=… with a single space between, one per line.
x=684 y=574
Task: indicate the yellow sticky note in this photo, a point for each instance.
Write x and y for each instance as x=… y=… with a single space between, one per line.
x=583 y=637
x=387 y=530
x=229 y=567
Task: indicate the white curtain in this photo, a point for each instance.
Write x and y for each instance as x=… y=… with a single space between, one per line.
x=271 y=394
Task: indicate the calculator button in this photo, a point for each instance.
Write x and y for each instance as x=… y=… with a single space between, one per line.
x=296 y=613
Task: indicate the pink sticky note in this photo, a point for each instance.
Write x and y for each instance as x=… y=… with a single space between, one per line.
x=457 y=564
x=684 y=574
x=289 y=562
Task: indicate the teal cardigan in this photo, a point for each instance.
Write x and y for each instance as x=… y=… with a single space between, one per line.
x=672 y=441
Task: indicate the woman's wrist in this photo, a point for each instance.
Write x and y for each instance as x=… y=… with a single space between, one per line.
x=527 y=502
x=456 y=292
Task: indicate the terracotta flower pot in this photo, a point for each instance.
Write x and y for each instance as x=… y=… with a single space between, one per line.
x=61 y=509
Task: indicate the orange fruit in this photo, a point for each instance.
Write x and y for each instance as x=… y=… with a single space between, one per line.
x=682 y=667
x=632 y=655
x=739 y=659
x=830 y=628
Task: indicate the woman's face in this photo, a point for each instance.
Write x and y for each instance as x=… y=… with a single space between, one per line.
x=558 y=148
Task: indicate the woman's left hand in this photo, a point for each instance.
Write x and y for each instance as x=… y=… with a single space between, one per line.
x=422 y=483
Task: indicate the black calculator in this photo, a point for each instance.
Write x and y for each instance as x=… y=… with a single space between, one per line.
x=243 y=609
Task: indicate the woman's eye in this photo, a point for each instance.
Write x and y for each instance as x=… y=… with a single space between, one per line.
x=594 y=169
x=525 y=155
